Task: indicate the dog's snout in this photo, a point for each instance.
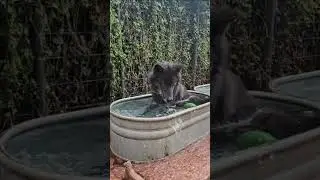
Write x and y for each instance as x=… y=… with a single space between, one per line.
x=170 y=99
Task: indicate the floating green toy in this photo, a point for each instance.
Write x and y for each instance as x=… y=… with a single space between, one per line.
x=189 y=105
x=254 y=138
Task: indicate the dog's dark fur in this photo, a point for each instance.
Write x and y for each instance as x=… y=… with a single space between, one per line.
x=166 y=83
x=229 y=97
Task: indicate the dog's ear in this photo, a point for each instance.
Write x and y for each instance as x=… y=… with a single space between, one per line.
x=177 y=67
x=158 y=68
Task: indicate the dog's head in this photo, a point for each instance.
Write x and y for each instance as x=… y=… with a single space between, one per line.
x=164 y=79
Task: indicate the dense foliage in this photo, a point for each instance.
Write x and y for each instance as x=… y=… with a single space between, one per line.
x=145 y=32
x=297 y=32
x=64 y=39
x=73 y=38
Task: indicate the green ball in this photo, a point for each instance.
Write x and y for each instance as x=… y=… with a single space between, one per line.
x=189 y=105
x=254 y=138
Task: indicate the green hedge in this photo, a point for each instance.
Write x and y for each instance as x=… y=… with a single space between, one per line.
x=145 y=32
x=295 y=42
x=142 y=33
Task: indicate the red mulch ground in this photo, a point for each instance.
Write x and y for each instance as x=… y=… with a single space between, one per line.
x=192 y=163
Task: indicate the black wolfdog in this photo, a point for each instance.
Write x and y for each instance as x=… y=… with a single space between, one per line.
x=229 y=97
x=166 y=83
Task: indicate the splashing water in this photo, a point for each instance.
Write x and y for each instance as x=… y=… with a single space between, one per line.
x=144 y=107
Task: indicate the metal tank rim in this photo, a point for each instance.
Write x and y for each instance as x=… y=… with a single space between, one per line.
x=225 y=164
x=7 y=162
x=200 y=86
x=153 y=119
x=275 y=83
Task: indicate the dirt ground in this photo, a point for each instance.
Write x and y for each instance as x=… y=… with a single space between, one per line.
x=192 y=163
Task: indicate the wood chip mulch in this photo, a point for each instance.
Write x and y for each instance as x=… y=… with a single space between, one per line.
x=192 y=163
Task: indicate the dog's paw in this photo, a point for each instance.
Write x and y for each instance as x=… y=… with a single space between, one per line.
x=180 y=103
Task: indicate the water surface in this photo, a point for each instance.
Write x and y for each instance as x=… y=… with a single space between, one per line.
x=145 y=107
x=77 y=148
x=224 y=143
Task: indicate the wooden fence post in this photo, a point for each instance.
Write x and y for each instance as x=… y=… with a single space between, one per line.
x=270 y=12
x=194 y=49
x=36 y=41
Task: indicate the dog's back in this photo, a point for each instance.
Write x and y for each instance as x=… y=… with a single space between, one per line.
x=229 y=97
x=166 y=83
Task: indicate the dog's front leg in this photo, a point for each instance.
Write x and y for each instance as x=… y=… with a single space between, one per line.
x=182 y=102
x=190 y=99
